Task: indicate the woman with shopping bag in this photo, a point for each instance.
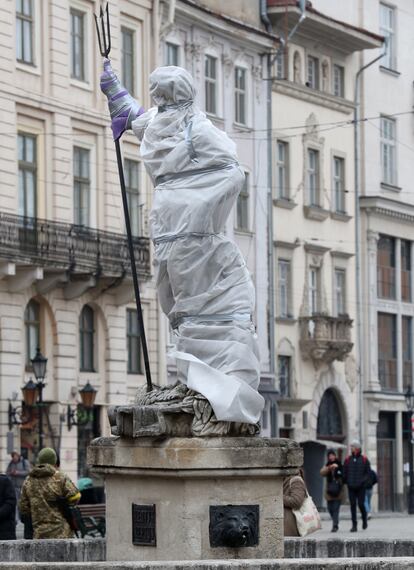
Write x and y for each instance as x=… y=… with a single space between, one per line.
x=301 y=516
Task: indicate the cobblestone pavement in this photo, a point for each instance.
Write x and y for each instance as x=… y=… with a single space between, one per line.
x=384 y=525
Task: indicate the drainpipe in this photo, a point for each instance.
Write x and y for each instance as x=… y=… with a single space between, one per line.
x=170 y=21
x=360 y=362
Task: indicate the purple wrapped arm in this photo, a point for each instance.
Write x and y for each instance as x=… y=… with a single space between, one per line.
x=122 y=107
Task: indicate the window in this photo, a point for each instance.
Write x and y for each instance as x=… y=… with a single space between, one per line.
x=340 y=292
x=386 y=267
x=86 y=336
x=338 y=80
x=27 y=175
x=131 y=168
x=282 y=170
x=388 y=151
x=77 y=40
x=387 y=351
x=280 y=64
x=284 y=288
x=24 y=31
x=128 y=60
x=284 y=370
x=240 y=95
x=387 y=29
x=81 y=185
x=32 y=328
x=242 y=222
x=407 y=352
x=329 y=424
x=210 y=77
x=339 y=184
x=172 y=54
x=405 y=270
x=313 y=72
x=133 y=343
x=313 y=177
x=314 y=290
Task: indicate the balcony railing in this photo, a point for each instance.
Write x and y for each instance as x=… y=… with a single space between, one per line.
x=324 y=338
x=32 y=241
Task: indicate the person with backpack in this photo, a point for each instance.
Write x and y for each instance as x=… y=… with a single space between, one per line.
x=17 y=471
x=356 y=475
x=334 y=488
x=373 y=480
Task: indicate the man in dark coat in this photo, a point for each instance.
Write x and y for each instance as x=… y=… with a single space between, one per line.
x=356 y=475
x=7 y=509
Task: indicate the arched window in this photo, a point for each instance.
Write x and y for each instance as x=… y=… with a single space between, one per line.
x=86 y=339
x=329 y=418
x=32 y=330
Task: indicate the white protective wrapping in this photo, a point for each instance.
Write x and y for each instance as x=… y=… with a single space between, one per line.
x=203 y=284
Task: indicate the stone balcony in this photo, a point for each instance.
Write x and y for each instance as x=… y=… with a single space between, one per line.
x=50 y=254
x=324 y=339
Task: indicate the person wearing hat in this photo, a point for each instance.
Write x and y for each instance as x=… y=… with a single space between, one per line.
x=334 y=488
x=42 y=495
x=357 y=471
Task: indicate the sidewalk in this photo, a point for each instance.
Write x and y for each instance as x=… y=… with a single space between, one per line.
x=381 y=525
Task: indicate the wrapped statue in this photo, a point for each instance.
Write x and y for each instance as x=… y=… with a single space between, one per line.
x=203 y=284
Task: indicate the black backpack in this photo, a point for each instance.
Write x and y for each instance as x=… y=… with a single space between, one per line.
x=334 y=487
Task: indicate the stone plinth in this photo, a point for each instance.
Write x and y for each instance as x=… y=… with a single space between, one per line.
x=183 y=478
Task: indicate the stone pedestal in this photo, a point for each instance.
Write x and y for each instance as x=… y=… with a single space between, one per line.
x=184 y=478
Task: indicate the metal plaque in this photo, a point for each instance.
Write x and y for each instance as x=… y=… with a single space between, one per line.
x=234 y=526
x=143 y=525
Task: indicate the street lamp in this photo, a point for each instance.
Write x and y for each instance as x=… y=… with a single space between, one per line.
x=39 y=363
x=409 y=398
x=88 y=395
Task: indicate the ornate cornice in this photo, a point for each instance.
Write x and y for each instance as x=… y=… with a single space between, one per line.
x=387 y=208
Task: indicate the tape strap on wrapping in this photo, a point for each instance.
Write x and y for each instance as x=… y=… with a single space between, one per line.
x=174 y=237
x=185 y=173
x=224 y=318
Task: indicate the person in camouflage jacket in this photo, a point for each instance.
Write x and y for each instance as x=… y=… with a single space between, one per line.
x=41 y=494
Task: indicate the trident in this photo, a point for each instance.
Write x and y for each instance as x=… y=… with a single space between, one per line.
x=104 y=39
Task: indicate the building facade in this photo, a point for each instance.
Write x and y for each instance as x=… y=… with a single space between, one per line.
x=314 y=231
x=65 y=280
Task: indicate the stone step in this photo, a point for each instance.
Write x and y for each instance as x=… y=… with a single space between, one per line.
x=347 y=547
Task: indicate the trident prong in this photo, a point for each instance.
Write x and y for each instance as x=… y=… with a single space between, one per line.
x=104 y=35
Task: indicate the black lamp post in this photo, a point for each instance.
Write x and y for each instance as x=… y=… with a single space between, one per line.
x=39 y=363
x=88 y=395
x=409 y=398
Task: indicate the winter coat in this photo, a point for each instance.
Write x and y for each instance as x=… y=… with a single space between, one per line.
x=372 y=479
x=338 y=474
x=7 y=509
x=356 y=471
x=39 y=499
x=294 y=493
x=18 y=472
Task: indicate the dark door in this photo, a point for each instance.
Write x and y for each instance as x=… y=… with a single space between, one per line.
x=313 y=460
x=385 y=470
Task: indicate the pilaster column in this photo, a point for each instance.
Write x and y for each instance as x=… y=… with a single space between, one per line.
x=371 y=338
x=399 y=467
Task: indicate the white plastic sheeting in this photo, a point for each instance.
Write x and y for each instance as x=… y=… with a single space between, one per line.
x=203 y=284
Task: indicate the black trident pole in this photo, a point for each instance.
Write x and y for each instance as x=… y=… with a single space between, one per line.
x=104 y=39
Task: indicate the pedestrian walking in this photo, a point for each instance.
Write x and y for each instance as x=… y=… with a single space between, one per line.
x=7 y=509
x=44 y=495
x=17 y=471
x=356 y=475
x=373 y=480
x=334 y=487
x=294 y=494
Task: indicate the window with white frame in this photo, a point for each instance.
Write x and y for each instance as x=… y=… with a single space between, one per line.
x=312 y=176
x=388 y=151
x=242 y=215
x=32 y=330
x=340 y=292
x=284 y=373
x=210 y=79
x=81 y=186
x=128 y=59
x=313 y=72
x=280 y=64
x=131 y=168
x=24 y=31
x=387 y=29
x=338 y=80
x=133 y=343
x=87 y=339
x=284 y=287
x=338 y=180
x=172 y=55
x=314 y=290
x=282 y=170
x=27 y=164
x=240 y=95
x=77 y=39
